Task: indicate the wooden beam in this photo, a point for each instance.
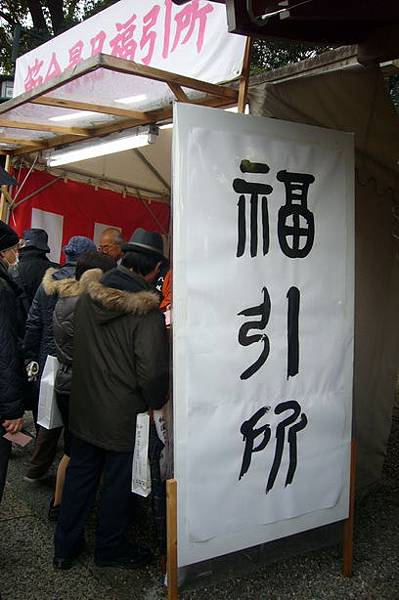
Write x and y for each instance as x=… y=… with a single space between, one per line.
x=17 y=141
x=246 y=67
x=75 y=131
x=154 y=116
x=98 y=108
x=121 y=65
x=171 y=523
x=179 y=93
x=87 y=66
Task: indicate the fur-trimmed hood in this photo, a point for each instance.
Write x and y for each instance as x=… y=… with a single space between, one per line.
x=65 y=288
x=123 y=302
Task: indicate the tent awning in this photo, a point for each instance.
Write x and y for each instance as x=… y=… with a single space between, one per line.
x=95 y=99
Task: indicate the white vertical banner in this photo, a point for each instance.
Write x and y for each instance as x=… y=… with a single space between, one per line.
x=263 y=285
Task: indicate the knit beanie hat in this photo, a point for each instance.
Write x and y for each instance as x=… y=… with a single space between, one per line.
x=78 y=245
x=8 y=237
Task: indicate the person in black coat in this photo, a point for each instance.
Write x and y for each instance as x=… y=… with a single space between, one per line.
x=11 y=364
x=120 y=369
x=33 y=263
x=90 y=268
x=39 y=343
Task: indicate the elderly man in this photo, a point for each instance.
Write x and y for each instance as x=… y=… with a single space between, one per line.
x=11 y=364
x=120 y=369
x=111 y=243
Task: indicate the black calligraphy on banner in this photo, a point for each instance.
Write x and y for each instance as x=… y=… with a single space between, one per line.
x=293 y=423
x=256 y=191
x=290 y=236
x=245 y=339
x=263 y=311
x=296 y=227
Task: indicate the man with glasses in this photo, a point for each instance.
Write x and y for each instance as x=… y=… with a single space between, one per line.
x=111 y=243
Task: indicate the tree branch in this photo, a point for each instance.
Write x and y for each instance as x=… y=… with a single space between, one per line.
x=7 y=18
x=57 y=15
x=36 y=11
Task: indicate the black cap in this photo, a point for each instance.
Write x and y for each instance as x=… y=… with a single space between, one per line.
x=147 y=242
x=8 y=237
x=36 y=238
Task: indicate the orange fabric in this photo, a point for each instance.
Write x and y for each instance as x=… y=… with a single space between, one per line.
x=167 y=291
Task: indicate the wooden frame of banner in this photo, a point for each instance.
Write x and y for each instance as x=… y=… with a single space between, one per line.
x=350 y=521
x=171 y=519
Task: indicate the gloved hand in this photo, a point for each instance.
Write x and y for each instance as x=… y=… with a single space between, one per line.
x=32 y=370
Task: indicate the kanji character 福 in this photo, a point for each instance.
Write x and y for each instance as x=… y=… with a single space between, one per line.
x=124 y=44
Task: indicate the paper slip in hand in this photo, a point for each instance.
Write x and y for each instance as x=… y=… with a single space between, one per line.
x=18 y=438
x=167 y=318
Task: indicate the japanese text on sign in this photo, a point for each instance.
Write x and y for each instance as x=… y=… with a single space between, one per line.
x=134 y=39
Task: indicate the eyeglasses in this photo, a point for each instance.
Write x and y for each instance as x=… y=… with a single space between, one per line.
x=106 y=247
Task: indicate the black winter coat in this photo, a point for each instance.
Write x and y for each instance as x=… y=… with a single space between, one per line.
x=39 y=338
x=68 y=292
x=29 y=272
x=121 y=363
x=11 y=364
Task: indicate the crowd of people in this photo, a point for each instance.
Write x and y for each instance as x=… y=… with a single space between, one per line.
x=100 y=315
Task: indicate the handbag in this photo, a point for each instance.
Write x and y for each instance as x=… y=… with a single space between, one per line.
x=141 y=473
x=48 y=415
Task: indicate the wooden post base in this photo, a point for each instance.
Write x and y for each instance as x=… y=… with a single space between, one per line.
x=171 y=522
x=349 y=523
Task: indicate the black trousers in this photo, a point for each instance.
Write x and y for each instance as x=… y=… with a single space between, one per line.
x=82 y=477
x=5 y=451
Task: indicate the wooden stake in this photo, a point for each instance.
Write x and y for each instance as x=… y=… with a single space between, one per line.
x=349 y=523
x=246 y=67
x=171 y=520
x=5 y=197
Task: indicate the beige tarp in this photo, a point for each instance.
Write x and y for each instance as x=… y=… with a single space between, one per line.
x=355 y=100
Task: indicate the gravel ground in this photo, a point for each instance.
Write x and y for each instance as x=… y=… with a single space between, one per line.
x=26 y=553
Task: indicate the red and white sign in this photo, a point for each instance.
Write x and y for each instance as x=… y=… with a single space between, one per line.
x=190 y=40
x=69 y=208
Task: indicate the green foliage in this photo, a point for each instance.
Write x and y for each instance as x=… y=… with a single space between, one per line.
x=269 y=55
x=40 y=20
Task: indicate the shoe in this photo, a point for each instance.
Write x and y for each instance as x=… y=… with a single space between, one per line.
x=34 y=479
x=132 y=557
x=53 y=511
x=64 y=564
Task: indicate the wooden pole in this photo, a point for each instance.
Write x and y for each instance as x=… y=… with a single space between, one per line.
x=4 y=198
x=171 y=521
x=246 y=67
x=349 y=523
